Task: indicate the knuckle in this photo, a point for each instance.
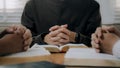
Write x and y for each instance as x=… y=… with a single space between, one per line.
x=61 y=34
x=62 y=29
x=98 y=28
x=61 y=40
x=92 y=44
x=68 y=40
x=51 y=34
x=57 y=26
x=93 y=35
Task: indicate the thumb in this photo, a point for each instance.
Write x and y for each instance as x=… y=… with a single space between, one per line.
x=64 y=26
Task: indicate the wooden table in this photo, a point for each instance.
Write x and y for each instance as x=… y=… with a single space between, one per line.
x=57 y=58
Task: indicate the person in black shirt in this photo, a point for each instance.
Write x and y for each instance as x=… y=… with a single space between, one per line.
x=79 y=18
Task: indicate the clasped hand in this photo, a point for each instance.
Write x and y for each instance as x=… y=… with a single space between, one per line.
x=59 y=35
x=104 y=38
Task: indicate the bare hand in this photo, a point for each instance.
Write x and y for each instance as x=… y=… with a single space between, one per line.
x=56 y=37
x=19 y=29
x=96 y=38
x=59 y=35
x=99 y=35
x=107 y=43
x=49 y=39
x=11 y=43
x=112 y=29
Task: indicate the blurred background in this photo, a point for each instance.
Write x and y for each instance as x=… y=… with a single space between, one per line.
x=11 y=10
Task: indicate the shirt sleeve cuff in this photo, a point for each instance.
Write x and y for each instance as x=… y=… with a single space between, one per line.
x=116 y=49
x=39 y=39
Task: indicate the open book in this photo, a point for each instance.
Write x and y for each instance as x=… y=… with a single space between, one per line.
x=64 y=48
x=31 y=52
x=89 y=57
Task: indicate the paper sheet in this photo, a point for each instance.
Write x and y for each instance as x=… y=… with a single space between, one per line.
x=34 y=51
x=87 y=53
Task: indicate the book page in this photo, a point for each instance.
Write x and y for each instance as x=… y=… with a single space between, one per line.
x=87 y=53
x=34 y=51
x=65 y=47
x=62 y=48
x=89 y=57
x=51 y=48
x=76 y=45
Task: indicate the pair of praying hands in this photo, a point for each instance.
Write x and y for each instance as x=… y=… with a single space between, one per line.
x=104 y=39
x=15 y=38
x=59 y=35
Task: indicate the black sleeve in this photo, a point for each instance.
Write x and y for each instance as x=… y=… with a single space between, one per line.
x=94 y=21
x=28 y=17
x=28 y=20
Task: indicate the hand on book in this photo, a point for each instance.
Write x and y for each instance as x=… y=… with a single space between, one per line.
x=89 y=57
x=108 y=34
x=59 y=35
x=107 y=42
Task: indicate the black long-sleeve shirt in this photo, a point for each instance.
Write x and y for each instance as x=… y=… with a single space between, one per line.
x=82 y=16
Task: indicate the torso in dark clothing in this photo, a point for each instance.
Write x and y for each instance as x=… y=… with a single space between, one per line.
x=81 y=15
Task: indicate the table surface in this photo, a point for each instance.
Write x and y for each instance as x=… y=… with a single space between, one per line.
x=57 y=58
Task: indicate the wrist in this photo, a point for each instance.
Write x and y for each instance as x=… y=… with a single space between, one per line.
x=73 y=36
x=77 y=38
x=40 y=38
x=46 y=38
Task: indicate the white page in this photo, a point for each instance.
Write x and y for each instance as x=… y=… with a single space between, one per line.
x=34 y=51
x=56 y=48
x=70 y=45
x=87 y=53
x=81 y=50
